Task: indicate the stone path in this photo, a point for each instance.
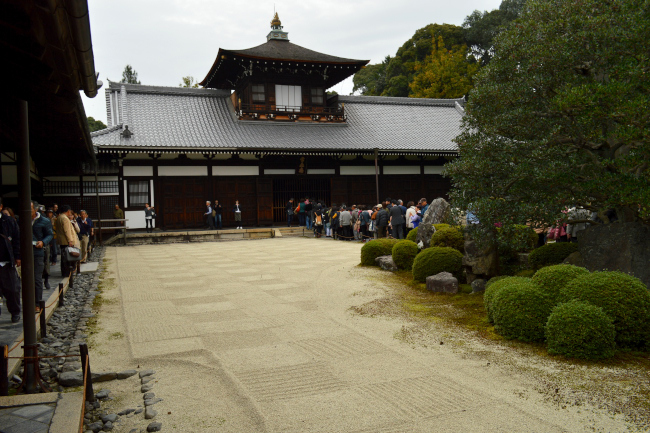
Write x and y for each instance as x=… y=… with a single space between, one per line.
x=257 y=336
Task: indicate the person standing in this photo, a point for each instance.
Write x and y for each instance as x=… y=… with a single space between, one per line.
x=42 y=235
x=54 y=246
x=381 y=222
x=345 y=221
x=237 y=210
x=289 y=212
x=149 y=214
x=410 y=212
x=208 y=217
x=86 y=230
x=118 y=214
x=217 y=210
x=66 y=236
x=309 y=208
x=396 y=220
x=364 y=224
x=9 y=261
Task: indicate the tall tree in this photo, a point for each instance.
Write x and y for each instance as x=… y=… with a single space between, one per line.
x=559 y=117
x=129 y=75
x=480 y=28
x=371 y=80
x=444 y=73
x=189 y=81
x=95 y=125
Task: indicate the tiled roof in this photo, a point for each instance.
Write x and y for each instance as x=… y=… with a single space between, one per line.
x=202 y=119
x=285 y=50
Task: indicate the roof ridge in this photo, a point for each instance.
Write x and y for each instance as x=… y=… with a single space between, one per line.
x=159 y=89
x=398 y=100
x=106 y=130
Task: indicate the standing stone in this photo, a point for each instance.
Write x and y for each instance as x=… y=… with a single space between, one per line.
x=478 y=285
x=479 y=263
x=437 y=213
x=621 y=247
x=444 y=282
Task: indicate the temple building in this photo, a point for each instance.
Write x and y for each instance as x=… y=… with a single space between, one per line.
x=264 y=129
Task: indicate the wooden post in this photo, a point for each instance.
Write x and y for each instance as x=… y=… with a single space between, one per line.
x=61 y=302
x=42 y=319
x=4 y=372
x=87 y=375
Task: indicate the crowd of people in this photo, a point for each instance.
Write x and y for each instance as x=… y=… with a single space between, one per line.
x=357 y=222
x=55 y=232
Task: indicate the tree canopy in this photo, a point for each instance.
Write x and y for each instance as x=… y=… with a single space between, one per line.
x=559 y=117
x=444 y=73
x=129 y=75
x=189 y=81
x=95 y=125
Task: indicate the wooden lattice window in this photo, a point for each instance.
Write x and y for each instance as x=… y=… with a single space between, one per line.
x=258 y=93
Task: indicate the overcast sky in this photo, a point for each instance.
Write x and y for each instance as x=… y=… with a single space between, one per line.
x=165 y=40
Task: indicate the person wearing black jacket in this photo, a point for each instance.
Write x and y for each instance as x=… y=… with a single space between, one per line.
x=237 y=210
x=396 y=220
x=381 y=221
x=218 y=223
x=9 y=260
x=289 y=211
x=364 y=216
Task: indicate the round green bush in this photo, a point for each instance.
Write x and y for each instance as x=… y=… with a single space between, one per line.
x=528 y=273
x=622 y=297
x=551 y=279
x=404 y=253
x=413 y=234
x=451 y=237
x=578 y=329
x=494 y=286
x=551 y=254
x=432 y=261
x=441 y=226
x=375 y=248
x=520 y=311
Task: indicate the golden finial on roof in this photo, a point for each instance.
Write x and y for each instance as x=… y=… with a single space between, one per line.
x=276 y=21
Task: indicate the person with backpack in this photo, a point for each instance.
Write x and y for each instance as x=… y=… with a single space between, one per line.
x=318 y=222
x=334 y=221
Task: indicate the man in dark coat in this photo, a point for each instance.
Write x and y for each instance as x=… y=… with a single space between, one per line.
x=381 y=221
x=290 y=209
x=9 y=260
x=396 y=220
x=42 y=235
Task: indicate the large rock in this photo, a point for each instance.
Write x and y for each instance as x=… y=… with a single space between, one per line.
x=71 y=378
x=444 y=282
x=621 y=247
x=437 y=213
x=386 y=263
x=478 y=285
x=479 y=263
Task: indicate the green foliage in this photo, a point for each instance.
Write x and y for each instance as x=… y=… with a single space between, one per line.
x=551 y=254
x=129 y=75
x=95 y=125
x=513 y=239
x=559 y=115
x=580 y=330
x=451 y=237
x=520 y=310
x=189 y=81
x=444 y=73
x=432 y=261
x=375 y=248
x=551 y=279
x=404 y=253
x=441 y=226
x=413 y=234
x=527 y=273
x=493 y=287
x=622 y=297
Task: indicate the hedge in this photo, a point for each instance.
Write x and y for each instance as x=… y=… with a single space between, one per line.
x=494 y=286
x=552 y=279
x=451 y=237
x=404 y=253
x=413 y=234
x=551 y=254
x=432 y=261
x=375 y=248
x=521 y=310
x=622 y=297
x=578 y=329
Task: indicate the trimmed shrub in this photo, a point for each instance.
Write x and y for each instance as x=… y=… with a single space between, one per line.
x=404 y=253
x=375 y=248
x=551 y=254
x=622 y=297
x=520 y=311
x=494 y=286
x=552 y=279
x=432 y=261
x=413 y=234
x=578 y=329
x=441 y=226
x=451 y=237
x=528 y=273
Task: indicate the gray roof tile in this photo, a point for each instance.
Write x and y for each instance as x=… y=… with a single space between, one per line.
x=202 y=119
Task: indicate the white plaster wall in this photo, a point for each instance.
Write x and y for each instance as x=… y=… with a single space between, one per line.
x=347 y=170
x=134 y=170
x=231 y=170
x=183 y=170
x=136 y=219
x=401 y=169
x=433 y=169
